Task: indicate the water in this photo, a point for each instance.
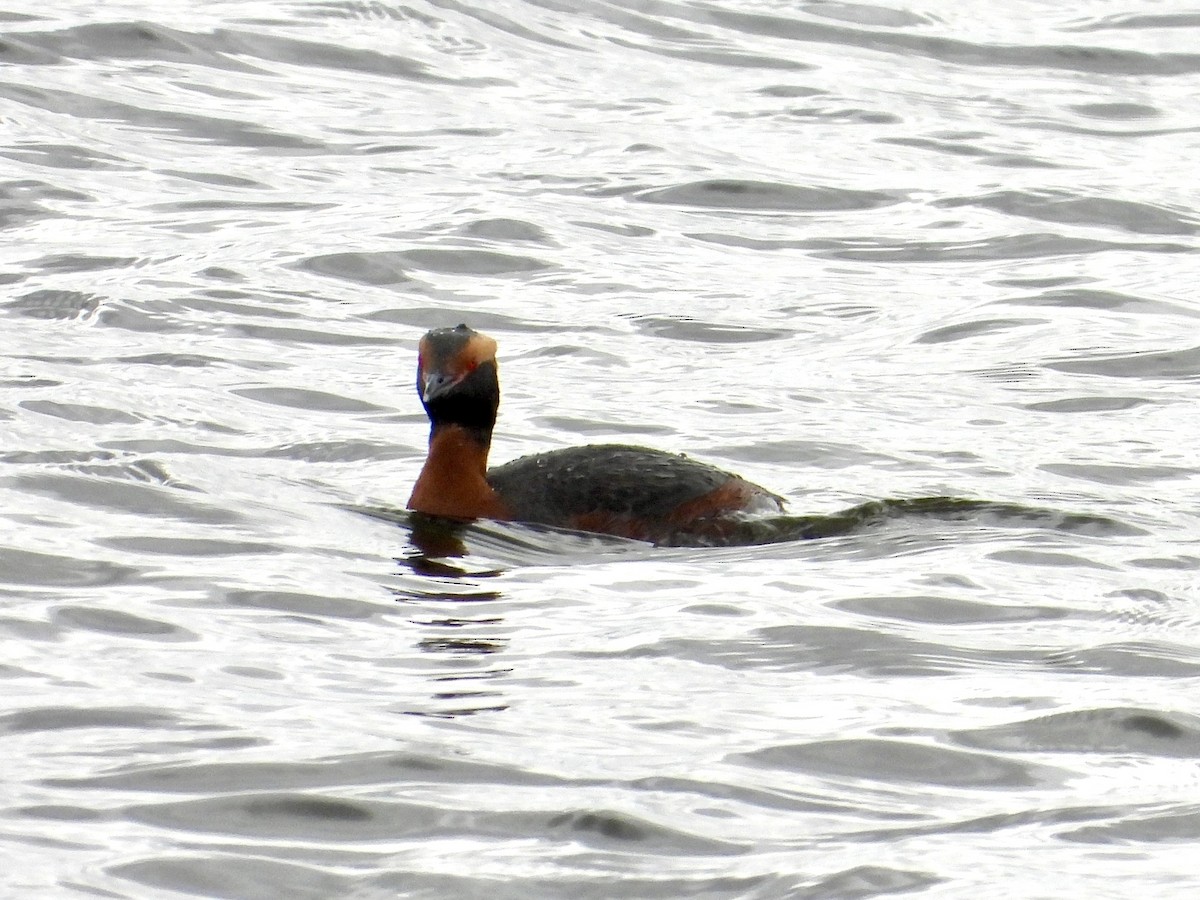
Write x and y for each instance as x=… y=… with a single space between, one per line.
x=860 y=254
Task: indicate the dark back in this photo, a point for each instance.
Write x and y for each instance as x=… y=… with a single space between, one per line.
x=638 y=482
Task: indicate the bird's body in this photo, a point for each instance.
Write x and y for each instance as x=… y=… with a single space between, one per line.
x=613 y=489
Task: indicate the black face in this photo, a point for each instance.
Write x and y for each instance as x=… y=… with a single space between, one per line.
x=471 y=403
x=454 y=387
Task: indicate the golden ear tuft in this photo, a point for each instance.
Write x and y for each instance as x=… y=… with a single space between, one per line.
x=479 y=349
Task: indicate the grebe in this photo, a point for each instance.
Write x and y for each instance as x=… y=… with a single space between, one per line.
x=632 y=492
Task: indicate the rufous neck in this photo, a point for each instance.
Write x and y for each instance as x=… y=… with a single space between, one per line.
x=468 y=447
x=453 y=481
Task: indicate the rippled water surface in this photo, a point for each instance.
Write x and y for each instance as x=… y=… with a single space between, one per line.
x=930 y=272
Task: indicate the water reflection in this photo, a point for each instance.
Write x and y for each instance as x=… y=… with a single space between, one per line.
x=463 y=683
x=450 y=558
x=436 y=541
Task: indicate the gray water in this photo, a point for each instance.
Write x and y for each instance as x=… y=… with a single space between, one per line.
x=858 y=253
